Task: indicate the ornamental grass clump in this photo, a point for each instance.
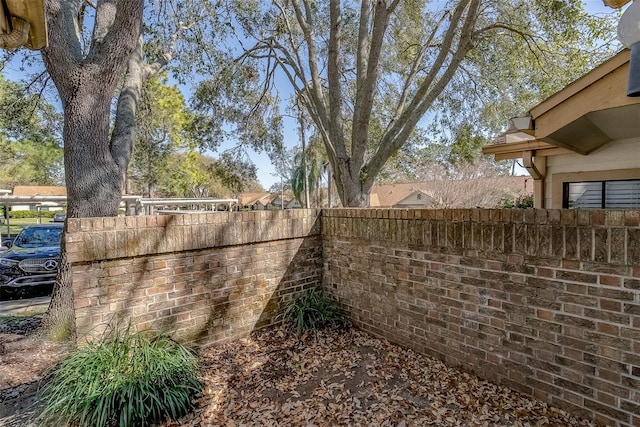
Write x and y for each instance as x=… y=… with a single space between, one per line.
x=312 y=311
x=130 y=379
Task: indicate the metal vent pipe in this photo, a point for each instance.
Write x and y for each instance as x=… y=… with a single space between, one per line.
x=629 y=35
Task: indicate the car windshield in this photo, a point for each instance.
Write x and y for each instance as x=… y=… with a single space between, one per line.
x=37 y=237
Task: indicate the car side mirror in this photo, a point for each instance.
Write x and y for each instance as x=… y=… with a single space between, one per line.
x=6 y=244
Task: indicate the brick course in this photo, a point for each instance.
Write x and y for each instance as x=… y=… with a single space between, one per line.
x=209 y=277
x=543 y=301
x=546 y=302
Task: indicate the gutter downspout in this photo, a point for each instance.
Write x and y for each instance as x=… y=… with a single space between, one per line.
x=537 y=168
x=18 y=35
x=629 y=35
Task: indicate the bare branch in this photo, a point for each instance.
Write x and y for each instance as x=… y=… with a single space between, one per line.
x=367 y=85
x=333 y=74
x=415 y=69
x=395 y=136
x=528 y=38
x=363 y=43
x=304 y=20
x=395 y=127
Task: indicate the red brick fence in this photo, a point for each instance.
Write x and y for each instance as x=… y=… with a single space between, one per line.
x=546 y=302
x=210 y=277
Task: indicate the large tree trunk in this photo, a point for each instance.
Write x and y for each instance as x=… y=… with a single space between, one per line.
x=354 y=195
x=94 y=187
x=86 y=82
x=353 y=188
x=59 y=322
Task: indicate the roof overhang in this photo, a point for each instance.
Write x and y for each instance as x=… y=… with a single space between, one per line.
x=591 y=111
x=516 y=150
x=584 y=116
x=595 y=129
x=31 y=11
x=616 y=4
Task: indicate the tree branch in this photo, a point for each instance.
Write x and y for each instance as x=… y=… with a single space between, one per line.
x=367 y=83
x=415 y=68
x=64 y=51
x=123 y=135
x=393 y=139
x=363 y=43
x=153 y=68
x=333 y=74
x=316 y=92
x=118 y=24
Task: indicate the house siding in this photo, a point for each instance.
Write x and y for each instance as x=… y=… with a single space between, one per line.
x=617 y=155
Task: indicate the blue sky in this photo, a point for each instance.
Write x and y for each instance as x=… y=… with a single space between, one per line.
x=266 y=171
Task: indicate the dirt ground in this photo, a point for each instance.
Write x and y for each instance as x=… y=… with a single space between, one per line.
x=338 y=378
x=350 y=378
x=24 y=361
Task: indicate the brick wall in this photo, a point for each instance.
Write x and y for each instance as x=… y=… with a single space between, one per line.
x=209 y=277
x=546 y=302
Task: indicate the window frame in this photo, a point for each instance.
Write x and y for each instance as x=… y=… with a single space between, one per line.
x=603 y=192
x=556 y=182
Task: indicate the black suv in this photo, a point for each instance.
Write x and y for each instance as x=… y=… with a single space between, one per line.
x=31 y=263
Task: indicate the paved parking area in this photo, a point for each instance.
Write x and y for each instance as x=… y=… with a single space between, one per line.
x=22 y=306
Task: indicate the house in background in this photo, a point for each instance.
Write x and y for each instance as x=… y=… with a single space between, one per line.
x=410 y=195
x=267 y=201
x=254 y=201
x=486 y=192
x=293 y=203
x=51 y=192
x=582 y=144
x=280 y=202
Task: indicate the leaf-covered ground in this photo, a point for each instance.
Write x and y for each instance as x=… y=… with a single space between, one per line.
x=339 y=378
x=24 y=360
x=348 y=378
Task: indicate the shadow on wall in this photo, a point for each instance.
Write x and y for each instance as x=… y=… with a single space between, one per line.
x=303 y=271
x=206 y=278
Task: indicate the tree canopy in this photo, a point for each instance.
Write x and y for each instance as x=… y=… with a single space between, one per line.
x=370 y=73
x=376 y=78
x=30 y=140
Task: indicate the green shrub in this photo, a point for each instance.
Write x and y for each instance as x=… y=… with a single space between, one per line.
x=32 y=214
x=127 y=380
x=313 y=310
x=521 y=202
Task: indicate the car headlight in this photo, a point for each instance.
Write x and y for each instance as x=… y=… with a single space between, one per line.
x=8 y=263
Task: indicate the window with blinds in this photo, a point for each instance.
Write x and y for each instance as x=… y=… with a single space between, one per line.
x=602 y=194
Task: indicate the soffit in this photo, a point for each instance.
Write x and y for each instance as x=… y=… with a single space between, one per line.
x=597 y=128
x=590 y=112
x=31 y=11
